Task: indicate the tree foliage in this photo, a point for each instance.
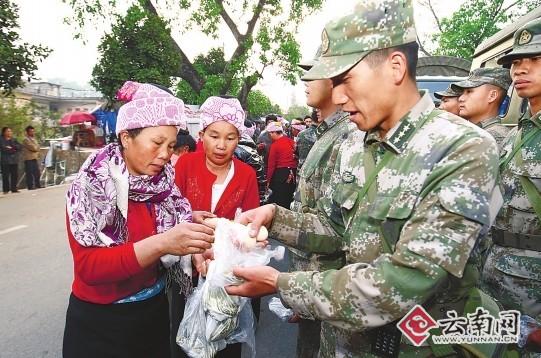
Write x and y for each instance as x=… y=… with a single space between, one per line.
x=15 y=116
x=296 y=111
x=260 y=105
x=263 y=31
x=210 y=67
x=475 y=21
x=18 y=115
x=17 y=59
x=137 y=49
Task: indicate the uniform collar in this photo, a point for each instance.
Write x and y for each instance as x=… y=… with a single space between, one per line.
x=488 y=122
x=398 y=137
x=330 y=122
x=527 y=119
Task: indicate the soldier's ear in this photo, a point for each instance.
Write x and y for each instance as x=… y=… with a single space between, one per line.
x=399 y=66
x=493 y=95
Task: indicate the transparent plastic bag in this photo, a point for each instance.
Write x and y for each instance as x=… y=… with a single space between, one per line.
x=276 y=307
x=212 y=318
x=528 y=325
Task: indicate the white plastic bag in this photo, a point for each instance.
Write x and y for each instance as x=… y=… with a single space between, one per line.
x=276 y=307
x=212 y=318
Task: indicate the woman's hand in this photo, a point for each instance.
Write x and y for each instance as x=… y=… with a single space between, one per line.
x=201 y=262
x=198 y=217
x=188 y=238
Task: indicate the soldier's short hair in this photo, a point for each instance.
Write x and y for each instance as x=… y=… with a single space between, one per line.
x=410 y=51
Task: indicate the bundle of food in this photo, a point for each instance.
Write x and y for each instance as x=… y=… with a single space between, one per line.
x=212 y=318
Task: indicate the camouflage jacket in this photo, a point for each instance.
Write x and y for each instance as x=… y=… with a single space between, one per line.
x=454 y=163
x=305 y=141
x=314 y=180
x=496 y=129
x=314 y=177
x=513 y=275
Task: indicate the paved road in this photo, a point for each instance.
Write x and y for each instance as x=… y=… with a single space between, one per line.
x=36 y=273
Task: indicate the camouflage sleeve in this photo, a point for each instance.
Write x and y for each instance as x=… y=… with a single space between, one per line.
x=434 y=243
x=307 y=232
x=311 y=232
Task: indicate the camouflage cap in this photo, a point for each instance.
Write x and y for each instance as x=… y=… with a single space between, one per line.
x=496 y=76
x=449 y=92
x=373 y=25
x=526 y=42
x=308 y=64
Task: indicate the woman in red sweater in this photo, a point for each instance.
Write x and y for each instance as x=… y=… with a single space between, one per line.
x=215 y=181
x=126 y=221
x=281 y=167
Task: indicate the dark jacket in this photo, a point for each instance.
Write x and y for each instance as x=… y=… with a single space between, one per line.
x=246 y=152
x=9 y=150
x=265 y=138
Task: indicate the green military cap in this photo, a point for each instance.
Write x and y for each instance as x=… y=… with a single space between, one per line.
x=449 y=92
x=526 y=42
x=496 y=76
x=308 y=64
x=373 y=25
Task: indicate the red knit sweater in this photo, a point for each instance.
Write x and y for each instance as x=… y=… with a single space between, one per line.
x=106 y=274
x=281 y=155
x=195 y=183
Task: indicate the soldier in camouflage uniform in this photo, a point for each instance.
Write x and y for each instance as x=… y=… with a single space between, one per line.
x=305 y=141
x=314 y=180
x=448 y=100
x=512 y=272
x=410 y=200
x=482 y=94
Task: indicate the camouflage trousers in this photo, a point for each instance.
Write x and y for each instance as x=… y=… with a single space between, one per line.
x=308 y=330
x=308 y=338
x=513 y=277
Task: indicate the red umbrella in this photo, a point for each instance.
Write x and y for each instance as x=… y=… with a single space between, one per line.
x=76 y=118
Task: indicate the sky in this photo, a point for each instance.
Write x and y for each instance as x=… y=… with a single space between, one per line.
x=71 y=61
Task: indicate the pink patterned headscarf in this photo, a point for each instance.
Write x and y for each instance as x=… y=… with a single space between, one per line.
x=274 y=127
x=217 y=109
x=249 y=131
x=148 y=106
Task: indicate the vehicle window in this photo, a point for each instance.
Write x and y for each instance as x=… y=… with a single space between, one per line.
x=433 y=86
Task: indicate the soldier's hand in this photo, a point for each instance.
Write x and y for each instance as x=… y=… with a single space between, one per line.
x=294 y=319
x=534 y=341
x=258 y=217
x=258 y=281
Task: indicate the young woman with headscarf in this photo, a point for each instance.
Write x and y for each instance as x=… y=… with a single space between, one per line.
x=213 y=180
x=126 y=221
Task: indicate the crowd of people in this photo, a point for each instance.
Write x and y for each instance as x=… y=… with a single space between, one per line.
x=384 y=201
x=10 y=149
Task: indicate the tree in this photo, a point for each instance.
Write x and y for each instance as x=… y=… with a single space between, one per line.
x=15 y=116
x=138 y=49
x=210 y=67
x=17 y=59
x=475 y=20
x=264 y=35
x=296 y=111
x=259 y=104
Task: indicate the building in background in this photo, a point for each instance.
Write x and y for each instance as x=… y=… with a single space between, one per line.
x=53 y=97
